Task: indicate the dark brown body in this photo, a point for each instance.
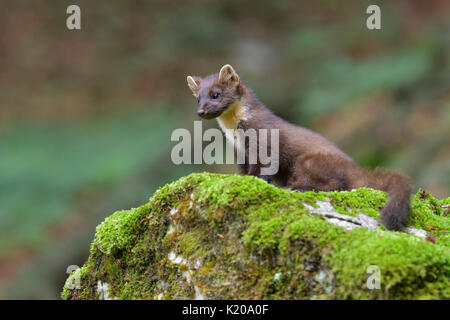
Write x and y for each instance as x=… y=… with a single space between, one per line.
x=307 y=161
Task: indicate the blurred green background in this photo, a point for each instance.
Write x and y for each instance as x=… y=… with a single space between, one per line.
x=86 y=116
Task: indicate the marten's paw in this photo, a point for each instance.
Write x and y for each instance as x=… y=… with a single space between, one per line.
x=268 y=179
x=297 y=189
x=394 y=217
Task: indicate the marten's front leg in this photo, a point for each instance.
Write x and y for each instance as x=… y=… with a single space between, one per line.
x=299 y=189
x=255 y=170
x=243 y=168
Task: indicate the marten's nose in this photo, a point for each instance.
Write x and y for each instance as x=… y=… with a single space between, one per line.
x=201 y=112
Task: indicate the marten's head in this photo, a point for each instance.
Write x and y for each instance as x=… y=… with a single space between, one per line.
x=215 y=93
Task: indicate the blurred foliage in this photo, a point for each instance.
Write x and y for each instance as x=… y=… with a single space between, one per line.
x=47 y=167
x=86 y=116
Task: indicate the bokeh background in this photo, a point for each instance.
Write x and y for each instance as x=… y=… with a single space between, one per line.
x=86 y=116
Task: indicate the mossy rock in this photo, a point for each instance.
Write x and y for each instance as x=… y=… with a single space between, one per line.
x=218 y=236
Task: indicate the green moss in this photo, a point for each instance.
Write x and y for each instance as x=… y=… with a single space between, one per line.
x=314 y=229
x=73 y=281
x=119 y=230
x=427 y=214
x=406 y=263
x=243 y=238
x=189 y=242
x=364 y=200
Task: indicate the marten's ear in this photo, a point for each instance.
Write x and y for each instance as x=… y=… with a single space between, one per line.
x=227 y=75
x=194 y=84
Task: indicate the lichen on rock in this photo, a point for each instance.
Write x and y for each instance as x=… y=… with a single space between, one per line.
x=212 y=236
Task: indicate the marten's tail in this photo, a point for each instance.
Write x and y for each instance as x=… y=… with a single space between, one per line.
x=395 y=213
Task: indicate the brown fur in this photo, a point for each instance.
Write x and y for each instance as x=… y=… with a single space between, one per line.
x=307 y=161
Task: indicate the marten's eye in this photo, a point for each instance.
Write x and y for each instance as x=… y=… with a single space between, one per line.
x=215 y=95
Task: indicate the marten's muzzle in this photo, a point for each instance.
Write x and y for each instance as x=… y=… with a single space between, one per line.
x=208 y=112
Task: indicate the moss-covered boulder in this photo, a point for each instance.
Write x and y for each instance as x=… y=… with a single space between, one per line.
x=211 y=236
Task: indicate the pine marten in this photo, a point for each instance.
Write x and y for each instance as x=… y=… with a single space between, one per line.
x=307 y=161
